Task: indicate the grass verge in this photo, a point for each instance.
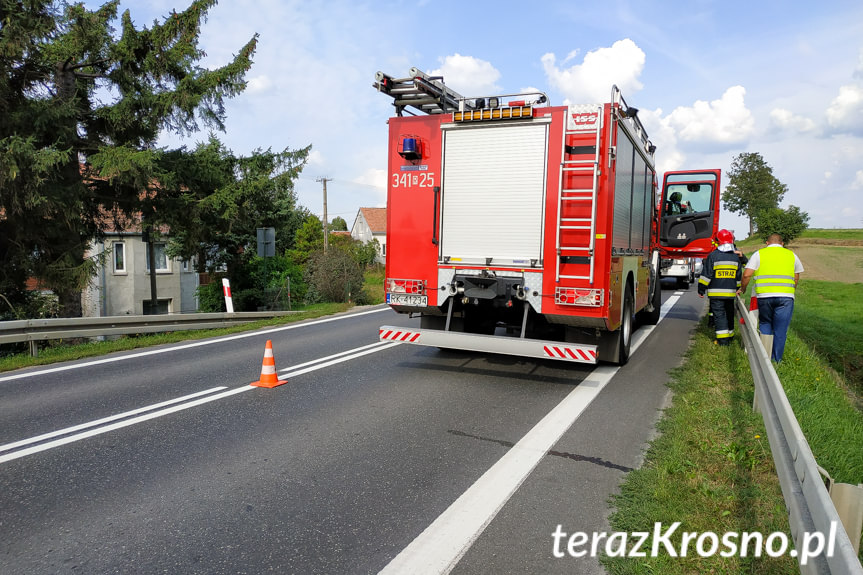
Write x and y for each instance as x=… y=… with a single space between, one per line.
x=710 y=469
x=832 y=426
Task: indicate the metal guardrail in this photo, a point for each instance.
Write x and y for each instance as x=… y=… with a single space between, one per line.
x=35 y=330
x=810 y=508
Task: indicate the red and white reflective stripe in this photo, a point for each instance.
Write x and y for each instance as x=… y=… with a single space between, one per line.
x=392 y=335
x=229 y=302
x=575 y=353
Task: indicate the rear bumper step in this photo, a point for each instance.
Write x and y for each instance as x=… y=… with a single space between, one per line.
x=579 y=353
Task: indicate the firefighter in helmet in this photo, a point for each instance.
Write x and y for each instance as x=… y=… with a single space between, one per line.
x=720 y=278
x=674 y=205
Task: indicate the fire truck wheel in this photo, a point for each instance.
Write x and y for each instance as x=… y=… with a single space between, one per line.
x=614 y=346
x=652 y=317
x=626 y=327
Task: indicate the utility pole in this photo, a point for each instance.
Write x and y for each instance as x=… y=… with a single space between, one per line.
x=326 y=231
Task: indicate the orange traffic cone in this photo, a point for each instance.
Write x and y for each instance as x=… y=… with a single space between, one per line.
x=268 y=370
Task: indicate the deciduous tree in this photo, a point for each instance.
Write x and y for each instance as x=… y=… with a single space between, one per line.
x=752 y=187
x=213 y=201
x=338 y=224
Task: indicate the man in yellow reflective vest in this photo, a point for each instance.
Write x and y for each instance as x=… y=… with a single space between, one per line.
x=776 y=271
x=720 y=279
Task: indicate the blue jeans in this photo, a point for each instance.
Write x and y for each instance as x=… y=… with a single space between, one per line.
x=774 y=317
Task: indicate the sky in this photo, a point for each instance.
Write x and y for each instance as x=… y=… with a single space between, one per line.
x=712 y=79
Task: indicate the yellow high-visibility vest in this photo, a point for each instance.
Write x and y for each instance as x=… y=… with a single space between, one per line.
x=775 y=273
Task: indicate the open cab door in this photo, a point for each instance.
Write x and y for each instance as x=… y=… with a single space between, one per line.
x=688 y=213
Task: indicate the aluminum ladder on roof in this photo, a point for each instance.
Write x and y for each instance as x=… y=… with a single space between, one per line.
x=427 y=94
x=586 y=197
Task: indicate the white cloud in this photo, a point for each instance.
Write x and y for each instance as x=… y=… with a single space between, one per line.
x=468 y=76
x=845 y=113
x=591 y=81
x=315 y=158
x=664 y=137
x=785 y=120
x=726 y=121
x=704 y=127
x=376 y=179
x=258 y=85
x=858 y=180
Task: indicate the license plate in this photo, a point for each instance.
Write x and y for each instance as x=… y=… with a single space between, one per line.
x=407 y=299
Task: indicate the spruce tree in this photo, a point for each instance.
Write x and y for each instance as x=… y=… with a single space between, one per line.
x=83 y=105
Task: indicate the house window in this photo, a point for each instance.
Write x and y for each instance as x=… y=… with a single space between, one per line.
x=119 y=257
x=161 y=258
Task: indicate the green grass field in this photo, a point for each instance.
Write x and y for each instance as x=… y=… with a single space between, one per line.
x=827 y=316
x=833 y=234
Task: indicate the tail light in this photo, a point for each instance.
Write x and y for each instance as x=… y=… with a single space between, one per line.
x=405 y=286
x=578 y=296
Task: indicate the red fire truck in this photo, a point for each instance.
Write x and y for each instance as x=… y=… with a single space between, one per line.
x=521 y=228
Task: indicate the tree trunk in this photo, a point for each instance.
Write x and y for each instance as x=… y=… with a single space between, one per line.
x=70 y=303
x=72 y=251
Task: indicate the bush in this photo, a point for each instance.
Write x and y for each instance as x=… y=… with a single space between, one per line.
x=334 y=276
x=788 y=223
x=258 y=283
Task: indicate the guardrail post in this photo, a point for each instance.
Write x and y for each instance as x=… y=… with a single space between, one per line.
x=34 y=348
x=848 y=500
x=751 y=317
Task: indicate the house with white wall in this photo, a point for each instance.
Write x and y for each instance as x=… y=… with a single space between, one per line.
x=122 y=283
x=371 y=224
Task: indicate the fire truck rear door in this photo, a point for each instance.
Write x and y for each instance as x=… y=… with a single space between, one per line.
x=493 y=196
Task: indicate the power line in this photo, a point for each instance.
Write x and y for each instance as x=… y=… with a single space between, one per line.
x=348 y=182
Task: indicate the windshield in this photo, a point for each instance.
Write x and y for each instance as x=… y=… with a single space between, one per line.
x=687 y=198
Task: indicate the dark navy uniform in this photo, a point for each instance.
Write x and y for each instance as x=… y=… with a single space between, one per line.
x=720 y=277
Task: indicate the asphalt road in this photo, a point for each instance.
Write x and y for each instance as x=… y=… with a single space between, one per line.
x=371 y=456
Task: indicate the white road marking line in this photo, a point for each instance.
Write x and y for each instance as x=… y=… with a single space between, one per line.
x=355 y=353
x=335 y=361
x=443 y=543
x=320 y=359
x=188 y=345
x=119 y=425
x=96 y=422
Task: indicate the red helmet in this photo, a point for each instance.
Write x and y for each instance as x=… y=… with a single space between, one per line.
x=724 y=237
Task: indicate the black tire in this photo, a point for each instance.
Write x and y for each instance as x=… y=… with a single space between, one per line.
x=683 y=283
x=627 y=325
x=652 y=317
x=614 y=346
